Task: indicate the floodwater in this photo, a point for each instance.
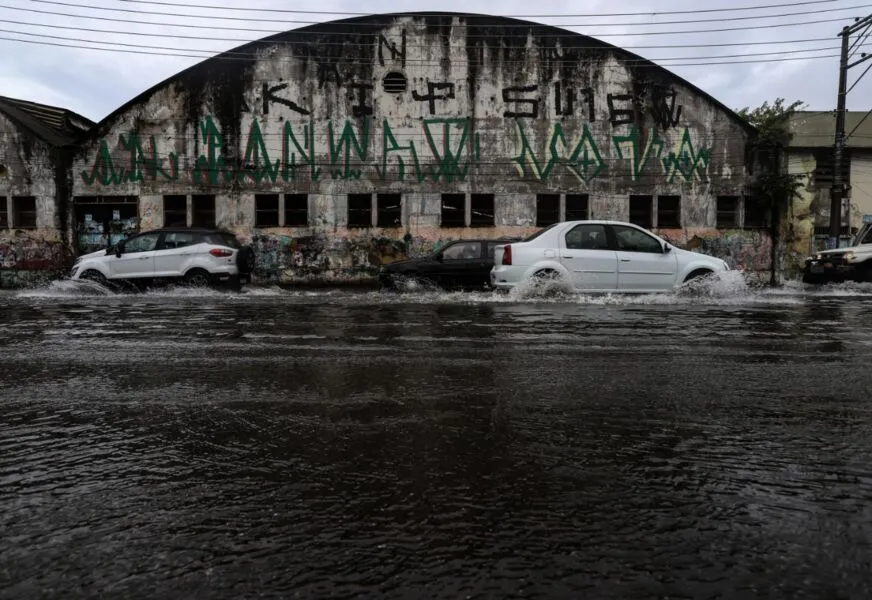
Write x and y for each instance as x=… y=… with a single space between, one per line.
x=355 y=444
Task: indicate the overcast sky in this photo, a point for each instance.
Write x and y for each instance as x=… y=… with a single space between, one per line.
x=95 y=82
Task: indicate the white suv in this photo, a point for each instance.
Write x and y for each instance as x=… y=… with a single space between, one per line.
x=197 y=257
x=600 y=256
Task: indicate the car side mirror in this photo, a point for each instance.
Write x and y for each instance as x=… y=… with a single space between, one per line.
x=666 y=248
x=439 y=257
x=119 y=249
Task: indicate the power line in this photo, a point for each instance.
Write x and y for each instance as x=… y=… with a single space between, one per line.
x=526 y=16
x=320 y=32
x=248 y=57
x=232 y=53
x=499 y=22
x=261 y=41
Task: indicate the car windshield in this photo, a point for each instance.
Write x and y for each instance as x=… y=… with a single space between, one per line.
x=538 y=233
x=864 y=236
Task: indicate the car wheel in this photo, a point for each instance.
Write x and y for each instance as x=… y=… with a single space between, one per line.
x=197 y=278
x=699 y=275
x=95 y=276
x=545 y=279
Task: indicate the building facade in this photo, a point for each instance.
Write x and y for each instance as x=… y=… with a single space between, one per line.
x=811 y=157
x=341 y=146
x=36 y=151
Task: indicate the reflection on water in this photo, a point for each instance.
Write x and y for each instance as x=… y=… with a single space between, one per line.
x=361 y=444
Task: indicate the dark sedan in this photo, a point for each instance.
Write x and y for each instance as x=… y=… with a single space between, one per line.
x=464 y=264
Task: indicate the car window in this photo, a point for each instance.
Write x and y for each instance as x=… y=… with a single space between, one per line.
x=179 y=239
x=141 y=243
x=587 y=237
x=462 y=251
x=634 y=240
x=867 y=239
x=223 y=239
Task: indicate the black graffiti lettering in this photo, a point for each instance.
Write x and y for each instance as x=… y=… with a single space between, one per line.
x=364 y=94
x=663 y=107
x=396 y=53
x=621 y=115
x=559 y=109
x=328 y=70
x=564 y=91
x=587 y=94
x=432 y=96
x=533 y=103
x=269 y=96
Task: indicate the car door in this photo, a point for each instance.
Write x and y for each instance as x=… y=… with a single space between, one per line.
x=643 y=266
x=588 y=256
x=137 y=257
x=462 y=264
x=174 y=252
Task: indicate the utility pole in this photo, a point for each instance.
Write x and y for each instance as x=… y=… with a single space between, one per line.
x=837 y=192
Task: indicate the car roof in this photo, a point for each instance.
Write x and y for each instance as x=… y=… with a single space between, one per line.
x=188 y=230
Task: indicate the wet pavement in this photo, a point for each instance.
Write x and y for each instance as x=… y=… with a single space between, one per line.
x=278 y=444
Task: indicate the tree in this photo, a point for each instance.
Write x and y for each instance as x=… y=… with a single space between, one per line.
x=772 y=186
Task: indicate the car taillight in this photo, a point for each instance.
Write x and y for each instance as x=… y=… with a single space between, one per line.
x=507 y=254
x=219 y=252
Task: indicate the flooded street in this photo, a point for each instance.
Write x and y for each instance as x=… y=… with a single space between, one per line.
x=358 y=444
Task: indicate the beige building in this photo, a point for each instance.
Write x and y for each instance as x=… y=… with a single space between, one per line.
x=811 y=154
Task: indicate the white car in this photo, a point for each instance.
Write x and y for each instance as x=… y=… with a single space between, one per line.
x=600 y=256
x=197 y=257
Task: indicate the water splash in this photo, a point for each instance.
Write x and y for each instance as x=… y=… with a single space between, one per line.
x=66 y=288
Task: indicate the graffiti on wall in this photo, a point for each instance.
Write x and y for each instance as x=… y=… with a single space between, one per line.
x=443 y=149
x=623 y=134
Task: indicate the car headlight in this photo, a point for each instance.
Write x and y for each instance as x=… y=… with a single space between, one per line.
x=726 y=266
x=849 y=256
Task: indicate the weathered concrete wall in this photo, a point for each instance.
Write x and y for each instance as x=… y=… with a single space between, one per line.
x=861 y=186
x=28 y=169
x=421 y=107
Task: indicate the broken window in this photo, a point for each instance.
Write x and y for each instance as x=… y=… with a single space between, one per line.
x=756 y=213
x=727 y=212
x=669 y=211
x=4 y=213
x=640 y=210
x=360 y=210
x=481 y=210
x=266 y=210
x=576 y=207
x=204 y=210
x=453 y=210
x=175 y=211
x=390 y=210
x=296 y=210
x=24 y=212
x=547 y=209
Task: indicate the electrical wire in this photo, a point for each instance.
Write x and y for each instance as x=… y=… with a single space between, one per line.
x=499 y=22
x=408 y=46
x=315 y=31
x=408 y=61
x=425 y=14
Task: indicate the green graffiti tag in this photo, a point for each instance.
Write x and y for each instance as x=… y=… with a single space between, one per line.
x=452 y=150
x=348 y=141
x=289 y=158
x=141 y=166
x=687 y=163
x=630 y=147
x=584 y=160
x=447 y=148
x=391 y=148
x=257 y=164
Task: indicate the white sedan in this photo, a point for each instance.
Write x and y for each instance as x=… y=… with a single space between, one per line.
x=600 y=256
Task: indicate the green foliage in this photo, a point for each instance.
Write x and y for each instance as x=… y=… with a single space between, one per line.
x=772 y=185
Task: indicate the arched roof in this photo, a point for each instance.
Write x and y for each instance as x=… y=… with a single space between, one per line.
x=480 y=28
